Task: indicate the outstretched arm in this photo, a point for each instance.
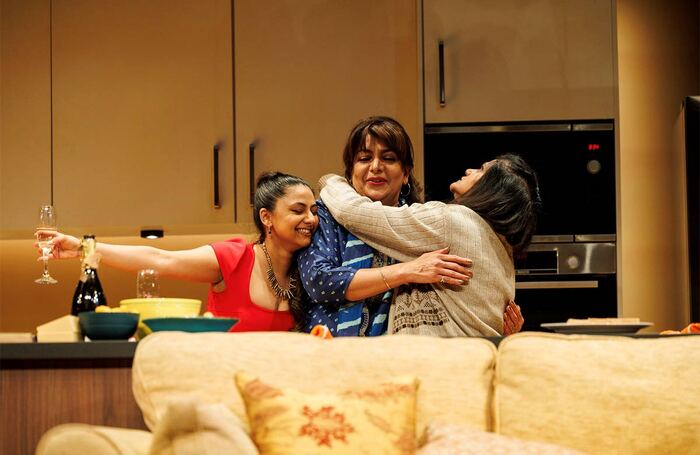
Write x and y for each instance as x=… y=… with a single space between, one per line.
x=198 y=264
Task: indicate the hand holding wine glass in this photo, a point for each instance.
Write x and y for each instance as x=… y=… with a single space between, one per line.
x=45 y=232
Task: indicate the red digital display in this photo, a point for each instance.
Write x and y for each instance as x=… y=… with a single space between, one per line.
x=592 y=147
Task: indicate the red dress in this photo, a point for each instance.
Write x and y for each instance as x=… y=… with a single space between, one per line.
x=236 y=259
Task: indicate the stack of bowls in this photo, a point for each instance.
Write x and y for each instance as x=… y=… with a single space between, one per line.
x=160 y=307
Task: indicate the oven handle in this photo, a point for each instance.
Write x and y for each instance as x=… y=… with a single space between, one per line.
x=592 y=284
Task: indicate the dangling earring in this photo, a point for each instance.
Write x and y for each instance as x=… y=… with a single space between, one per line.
x=269 y=230
x=408 y=190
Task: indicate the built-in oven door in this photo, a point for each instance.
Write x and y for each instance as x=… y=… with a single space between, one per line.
x=556 y=282
x=558 y=298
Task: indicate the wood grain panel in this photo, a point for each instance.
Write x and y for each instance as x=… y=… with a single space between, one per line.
x=306 y=72
x=36 y=397
x=25 y=112
x=508 y=60
x=142 y=92
x=658 y=65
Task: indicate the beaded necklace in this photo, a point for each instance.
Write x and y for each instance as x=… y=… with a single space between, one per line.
x=277 y=289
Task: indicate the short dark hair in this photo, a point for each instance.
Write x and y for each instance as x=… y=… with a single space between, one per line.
x=269 y=188
x=507 y=196
x=394 y=136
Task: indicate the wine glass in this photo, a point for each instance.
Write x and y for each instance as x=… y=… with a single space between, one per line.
x=47 y=222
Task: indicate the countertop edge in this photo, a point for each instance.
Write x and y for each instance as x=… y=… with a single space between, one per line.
x=11 y=353
x=92 y=350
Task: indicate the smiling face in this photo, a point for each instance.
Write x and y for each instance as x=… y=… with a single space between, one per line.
x=377 y=172
x=471 y=176
x=293 y=219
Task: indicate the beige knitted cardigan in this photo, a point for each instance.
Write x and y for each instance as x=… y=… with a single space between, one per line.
x=405 y=233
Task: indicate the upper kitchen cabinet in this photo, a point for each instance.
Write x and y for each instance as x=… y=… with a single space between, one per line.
x=306 y=72
x=25 y=136
x=510 y=60
x=142 y=94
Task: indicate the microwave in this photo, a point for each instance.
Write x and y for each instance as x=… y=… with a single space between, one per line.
x=574 y=162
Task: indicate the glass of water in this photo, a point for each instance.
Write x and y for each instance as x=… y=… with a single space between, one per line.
x=147 y=284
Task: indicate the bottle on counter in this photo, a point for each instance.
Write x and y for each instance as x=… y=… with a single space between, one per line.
x=88 y=294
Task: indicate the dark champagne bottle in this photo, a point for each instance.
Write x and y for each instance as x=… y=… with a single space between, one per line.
x=88 y=294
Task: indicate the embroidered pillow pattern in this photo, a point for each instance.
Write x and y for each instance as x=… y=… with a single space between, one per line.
x=380 y=419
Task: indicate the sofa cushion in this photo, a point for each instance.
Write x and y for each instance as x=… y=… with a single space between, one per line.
x=190 y=427
x=455 y=374
x=603 y=394
x=449 y=439
x=380 y=419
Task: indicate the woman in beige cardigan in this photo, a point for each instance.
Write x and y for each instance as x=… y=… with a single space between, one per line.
x=492 y=217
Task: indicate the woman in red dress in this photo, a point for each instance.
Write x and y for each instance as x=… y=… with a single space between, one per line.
x=254 y=282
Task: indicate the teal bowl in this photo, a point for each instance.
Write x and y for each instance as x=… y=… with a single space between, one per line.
x=108 y=326
x=195 y=324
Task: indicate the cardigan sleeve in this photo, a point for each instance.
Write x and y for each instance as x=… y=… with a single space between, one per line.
x=403 y=233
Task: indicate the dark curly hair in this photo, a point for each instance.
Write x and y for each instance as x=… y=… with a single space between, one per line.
x=507 y=196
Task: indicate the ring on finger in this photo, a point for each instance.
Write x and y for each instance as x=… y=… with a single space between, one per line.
x=442 y=280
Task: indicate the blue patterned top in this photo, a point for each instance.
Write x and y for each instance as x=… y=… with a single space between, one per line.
x=326 y=268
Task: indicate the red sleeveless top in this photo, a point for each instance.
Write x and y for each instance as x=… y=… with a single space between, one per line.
x=236 y=259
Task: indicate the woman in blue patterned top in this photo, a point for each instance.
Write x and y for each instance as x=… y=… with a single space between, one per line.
x=345 y=280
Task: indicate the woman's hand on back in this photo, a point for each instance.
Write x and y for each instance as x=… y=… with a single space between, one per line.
x=439 y=267
x=512 y=319
x=64 y=246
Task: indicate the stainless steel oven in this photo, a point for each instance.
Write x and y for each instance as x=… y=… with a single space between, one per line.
x=569 y=271
x=557 y=281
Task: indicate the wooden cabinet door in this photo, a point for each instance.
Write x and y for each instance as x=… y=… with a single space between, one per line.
x=306 y=72
x=519 y=60
x=142 y=91
x=25 y=136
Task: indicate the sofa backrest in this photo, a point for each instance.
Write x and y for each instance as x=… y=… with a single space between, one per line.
x=456 y=375
x=600 y=394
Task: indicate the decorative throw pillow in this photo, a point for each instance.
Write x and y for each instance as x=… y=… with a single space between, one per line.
x=448 y=439
x=380 y=419
x=189 y=426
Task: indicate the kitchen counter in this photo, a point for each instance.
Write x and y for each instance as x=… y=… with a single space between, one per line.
x=12 y=353
x=107 y=352
x=47 y=384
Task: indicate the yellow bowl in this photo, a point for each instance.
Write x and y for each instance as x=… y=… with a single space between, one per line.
x=160 y=307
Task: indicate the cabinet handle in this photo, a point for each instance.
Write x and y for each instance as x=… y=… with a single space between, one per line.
x=251 y=171
x=441 y=70
x=217 y=202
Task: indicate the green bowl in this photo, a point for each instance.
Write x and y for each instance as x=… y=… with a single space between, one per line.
x=108 y=326
x=199 y=324
x=160 y=307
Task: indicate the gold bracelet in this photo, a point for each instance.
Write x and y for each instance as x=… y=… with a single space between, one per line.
x=384 y=280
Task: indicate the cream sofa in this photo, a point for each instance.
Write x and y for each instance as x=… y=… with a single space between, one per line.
x=595 y=394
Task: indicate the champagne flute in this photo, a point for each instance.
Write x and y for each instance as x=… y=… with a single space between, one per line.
x=47 y=222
